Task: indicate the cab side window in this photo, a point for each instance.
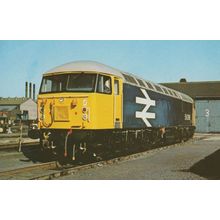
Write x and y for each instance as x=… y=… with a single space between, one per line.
x=104 y=84
x=116 y=87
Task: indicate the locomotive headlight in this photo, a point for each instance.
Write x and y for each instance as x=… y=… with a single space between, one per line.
x=61 y=99
x=84 y=117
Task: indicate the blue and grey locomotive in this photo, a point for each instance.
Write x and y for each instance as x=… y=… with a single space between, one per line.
x=84 y=102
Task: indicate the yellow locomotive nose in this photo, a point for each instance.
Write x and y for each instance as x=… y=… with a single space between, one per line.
x=63 y=113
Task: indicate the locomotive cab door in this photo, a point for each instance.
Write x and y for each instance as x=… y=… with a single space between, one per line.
x=117 y=102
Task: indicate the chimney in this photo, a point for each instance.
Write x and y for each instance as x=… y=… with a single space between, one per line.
x=183 y=80
x=30 y=90
x=26 y=89
x=34 y=92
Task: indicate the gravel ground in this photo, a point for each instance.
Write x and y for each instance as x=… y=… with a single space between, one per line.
x=174 y=163
x=27 y=157
x=12 y=160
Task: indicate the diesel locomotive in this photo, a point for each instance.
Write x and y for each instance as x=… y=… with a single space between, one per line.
x=85 y=106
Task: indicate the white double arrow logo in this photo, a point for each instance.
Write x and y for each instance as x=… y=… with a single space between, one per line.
x=144 y=115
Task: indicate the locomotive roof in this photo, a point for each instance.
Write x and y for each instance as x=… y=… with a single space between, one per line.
x=85 y=66
x=92 y=66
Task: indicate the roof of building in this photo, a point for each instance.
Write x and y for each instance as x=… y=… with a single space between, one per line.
x=13 y=101
x=7 y=108
x=197 y=90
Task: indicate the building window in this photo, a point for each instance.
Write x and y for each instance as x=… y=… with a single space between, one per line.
x=25 y=115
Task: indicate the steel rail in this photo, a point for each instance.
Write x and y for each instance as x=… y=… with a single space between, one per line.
x=22 y=170
x=15 y=146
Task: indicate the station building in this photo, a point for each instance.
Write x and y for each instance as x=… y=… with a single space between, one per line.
x=13 y=108
x=207 y=102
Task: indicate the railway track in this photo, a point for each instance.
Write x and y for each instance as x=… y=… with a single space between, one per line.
x=49 y=170
x=15 y=146
x=22 y=172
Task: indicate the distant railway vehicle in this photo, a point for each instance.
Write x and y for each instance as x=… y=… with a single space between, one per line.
x=85 y=106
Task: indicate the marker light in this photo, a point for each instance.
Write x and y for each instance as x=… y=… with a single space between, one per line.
x=84 y=109
x=84 y=117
